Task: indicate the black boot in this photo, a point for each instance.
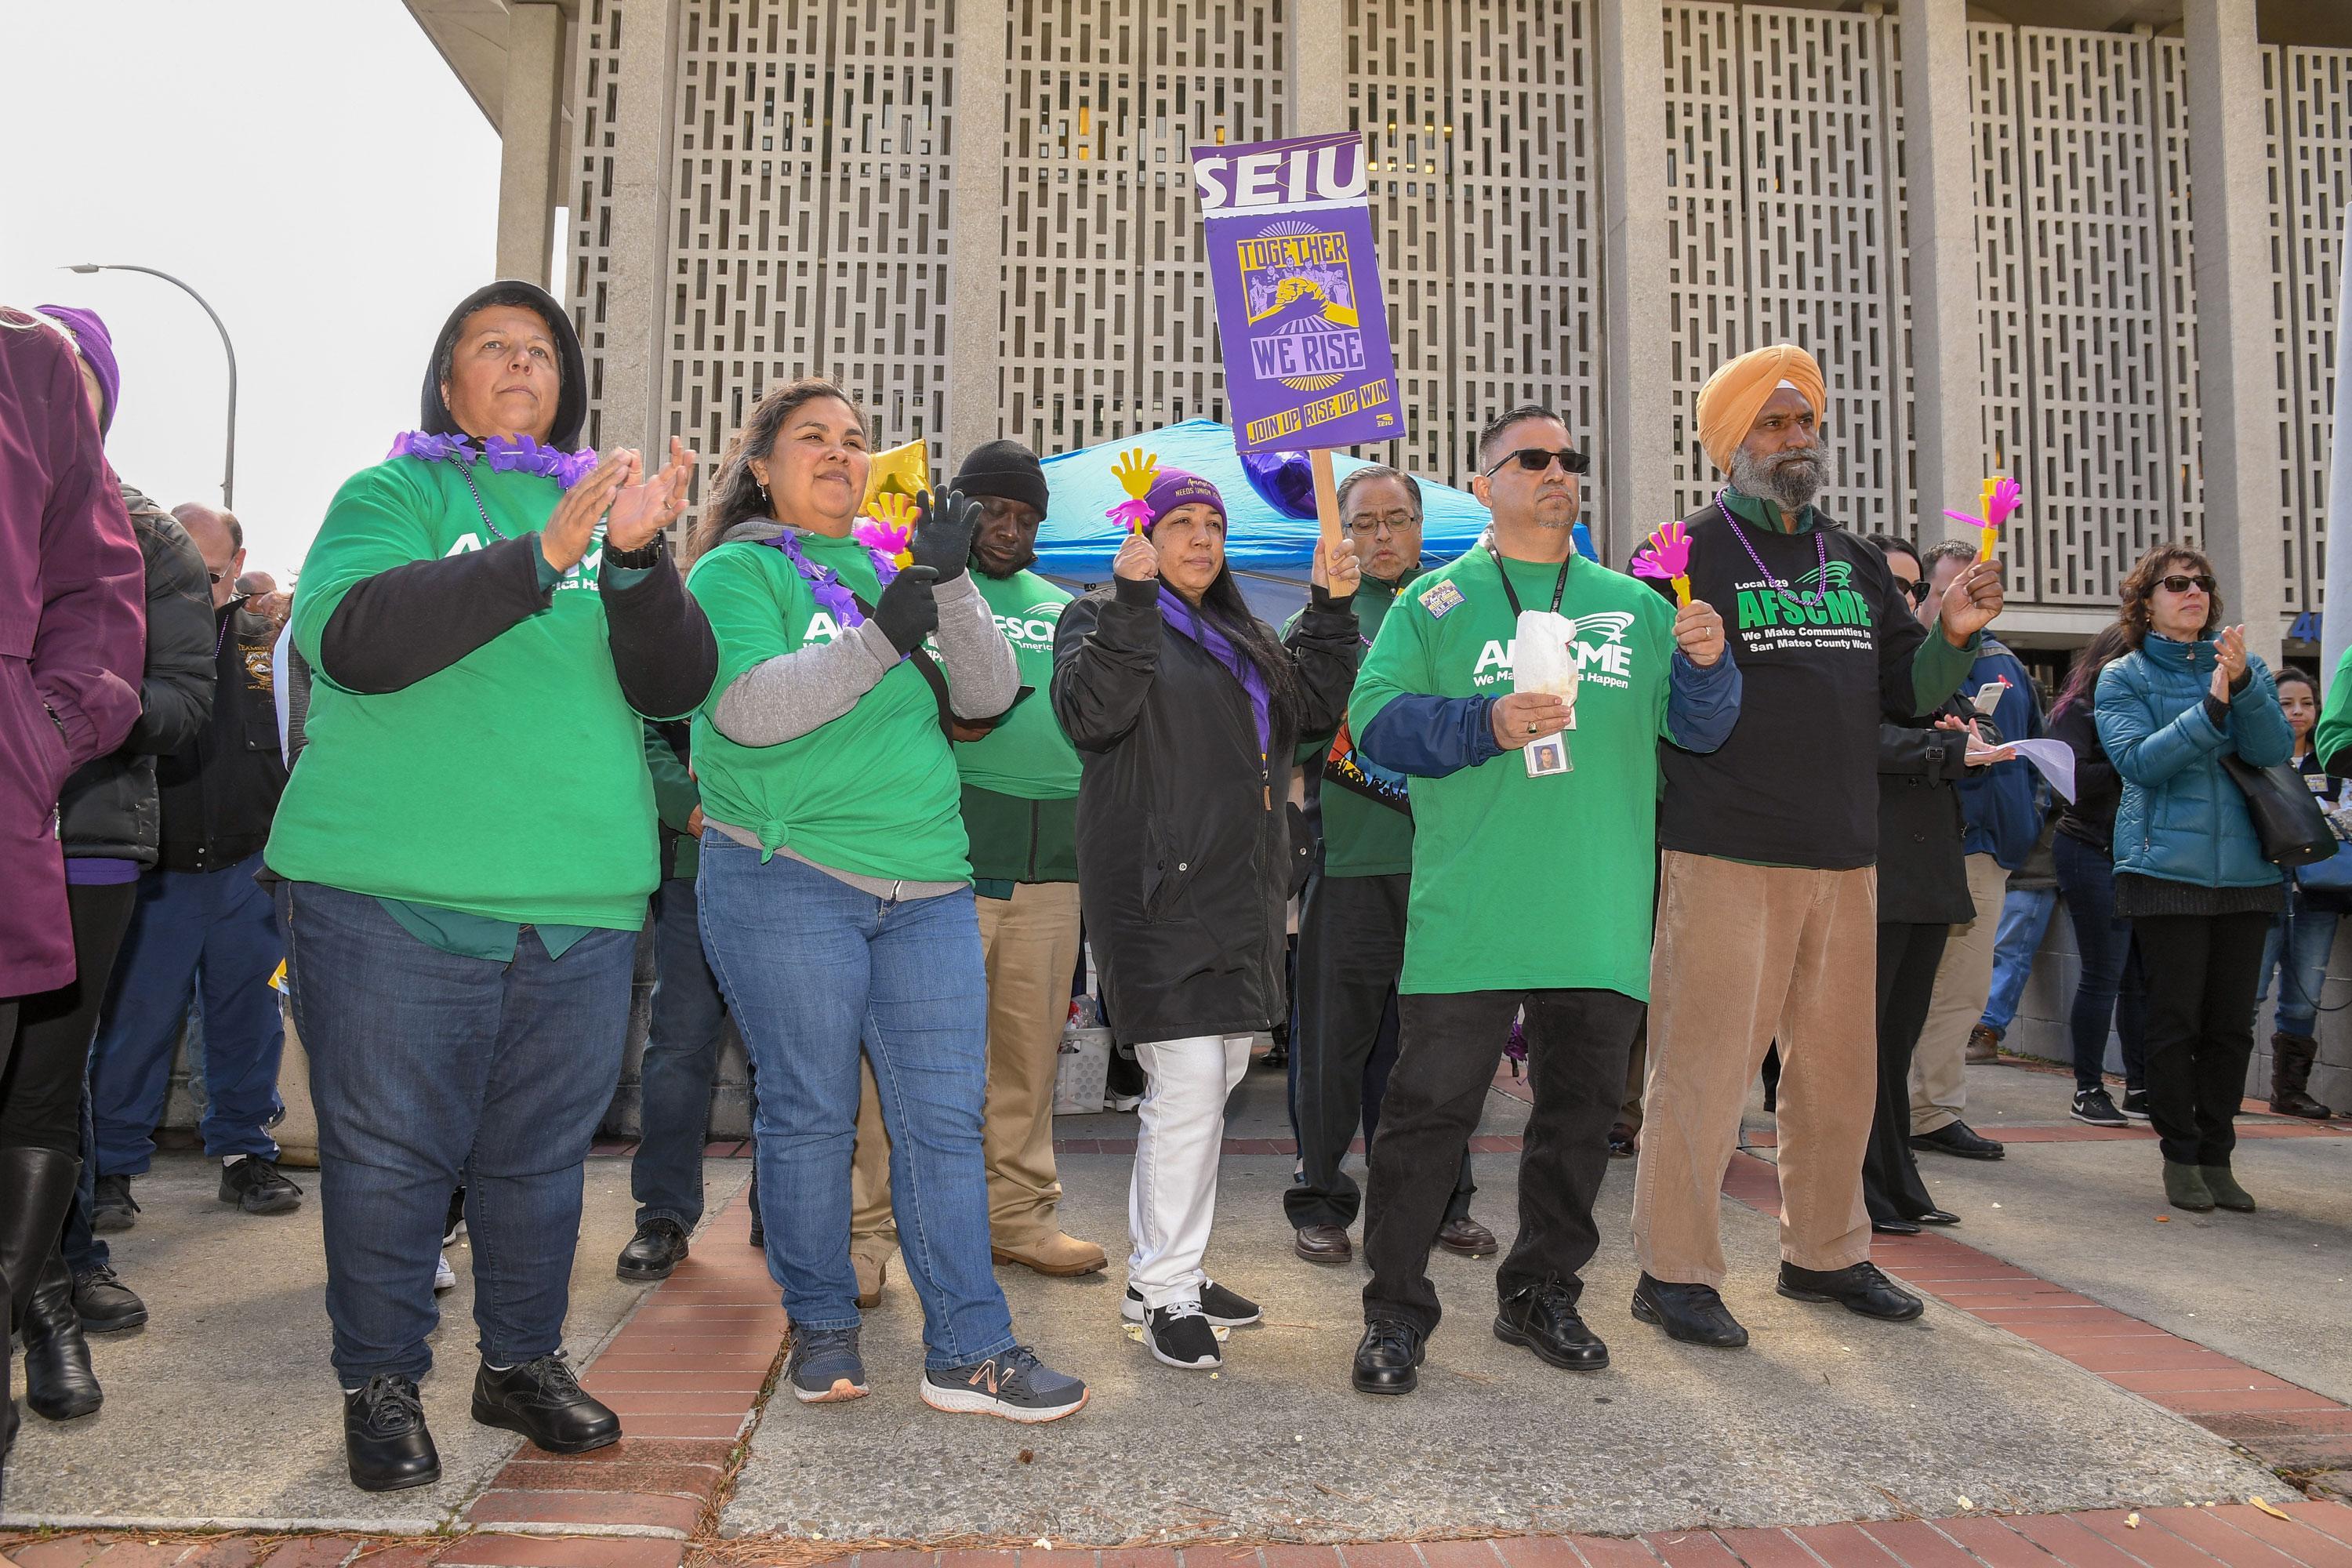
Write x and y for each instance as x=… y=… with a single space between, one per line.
x=41 y=1184
x=2292 y=1057
x=59 y=1380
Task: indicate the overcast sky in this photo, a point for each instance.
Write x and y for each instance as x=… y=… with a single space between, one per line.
x=310 y=167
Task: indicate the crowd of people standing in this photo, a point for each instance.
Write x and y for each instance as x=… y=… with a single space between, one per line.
x=879 y=788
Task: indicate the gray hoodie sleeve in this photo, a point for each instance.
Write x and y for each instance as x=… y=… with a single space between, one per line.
x=982 y=674
x=786 y=697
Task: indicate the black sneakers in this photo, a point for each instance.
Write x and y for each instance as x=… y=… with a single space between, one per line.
x=112 y=1208
x=543 y=1401
x=657 y=1248
x=2136 y=1104
x=1224 y=1309
x=1180 y=1336
x=1692 y=1313
x=255 y=1185
x=2093 y=1106
x=454 y=1222
x=105 y=1304
x=385 y=1438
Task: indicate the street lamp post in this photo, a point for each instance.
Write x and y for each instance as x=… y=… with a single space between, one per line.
x=228 y=462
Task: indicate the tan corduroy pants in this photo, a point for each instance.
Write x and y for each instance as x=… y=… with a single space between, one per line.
x=1939 y=1084
x=1031 y=945
x=1745 y=955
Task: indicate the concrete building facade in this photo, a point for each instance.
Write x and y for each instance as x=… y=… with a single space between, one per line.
x=977 y=216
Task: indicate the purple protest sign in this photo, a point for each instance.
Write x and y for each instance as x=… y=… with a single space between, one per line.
x=1305 y=334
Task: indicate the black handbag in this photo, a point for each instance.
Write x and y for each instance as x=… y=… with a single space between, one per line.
x=2287 y=816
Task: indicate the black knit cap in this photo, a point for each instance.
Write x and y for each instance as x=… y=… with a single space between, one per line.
x=1006 y=469
x=571 y=395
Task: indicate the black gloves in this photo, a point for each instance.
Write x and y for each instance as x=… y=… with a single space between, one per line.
x=943 y=530
x=906 y=612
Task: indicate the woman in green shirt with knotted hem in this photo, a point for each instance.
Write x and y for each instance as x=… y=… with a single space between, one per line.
x=464 y=855
x=836 y=893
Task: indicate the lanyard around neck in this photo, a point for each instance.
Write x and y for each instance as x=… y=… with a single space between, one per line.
x=1512 y=593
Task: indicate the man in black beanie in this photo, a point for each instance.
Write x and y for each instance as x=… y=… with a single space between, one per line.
x=1021 y=811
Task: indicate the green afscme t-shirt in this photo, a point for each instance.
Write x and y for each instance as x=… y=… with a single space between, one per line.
x=1520 y=882
x=510 y=785
x=875 y=791
x=1363 y=836
x=1026 y=756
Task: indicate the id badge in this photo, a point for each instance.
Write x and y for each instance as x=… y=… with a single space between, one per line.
x=1548 y=756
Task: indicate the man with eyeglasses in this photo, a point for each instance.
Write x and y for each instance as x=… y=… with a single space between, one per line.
x=1766 y=909
x=202 y=920
x=1351 y=924
x=1525 y=689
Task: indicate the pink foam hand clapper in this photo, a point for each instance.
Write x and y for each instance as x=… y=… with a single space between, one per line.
x=1999 y=499
x=1667 y=554
x=1135 y=472
x=889 y=527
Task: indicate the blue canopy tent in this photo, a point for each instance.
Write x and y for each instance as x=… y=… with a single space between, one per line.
x=1269 y=549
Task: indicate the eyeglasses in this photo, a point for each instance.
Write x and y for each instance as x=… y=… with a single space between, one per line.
x=1536 y=459
x=1372 y=527
x=216 y=576
x=2179 y=584
x=1917 y=588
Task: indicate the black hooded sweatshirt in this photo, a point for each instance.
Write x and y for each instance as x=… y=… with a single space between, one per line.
x=401 y=625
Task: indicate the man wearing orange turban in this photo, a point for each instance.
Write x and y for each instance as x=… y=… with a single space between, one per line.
x=1767 y=922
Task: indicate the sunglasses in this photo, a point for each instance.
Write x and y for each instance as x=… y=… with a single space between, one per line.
x=1536 y=459
x=1917 y=588
x=2179 y=584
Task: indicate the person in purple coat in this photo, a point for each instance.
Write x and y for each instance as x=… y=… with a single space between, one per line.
x=72 y=641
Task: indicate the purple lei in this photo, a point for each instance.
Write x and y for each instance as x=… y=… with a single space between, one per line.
x=517 y=454
x=831 y=595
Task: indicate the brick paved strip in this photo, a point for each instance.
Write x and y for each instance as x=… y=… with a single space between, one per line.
x=494 y=1551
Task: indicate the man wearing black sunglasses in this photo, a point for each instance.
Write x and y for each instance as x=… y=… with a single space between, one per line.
x=1766 y=925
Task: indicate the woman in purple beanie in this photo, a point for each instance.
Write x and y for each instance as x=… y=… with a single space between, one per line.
x=1185 y=710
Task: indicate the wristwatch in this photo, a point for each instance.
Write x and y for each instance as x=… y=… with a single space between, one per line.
x=648 y=555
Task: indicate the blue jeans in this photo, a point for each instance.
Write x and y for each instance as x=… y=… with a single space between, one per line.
x=681 y=1057
x=429 y=1070
x=210 y=935
x=2305 y=937
x=811 y=967
x=2113 y=988
x=2024 y=920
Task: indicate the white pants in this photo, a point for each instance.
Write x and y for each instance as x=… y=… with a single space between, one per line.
x=1172 y=1201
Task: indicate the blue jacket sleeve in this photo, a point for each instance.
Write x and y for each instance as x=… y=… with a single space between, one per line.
x=1430 y=737
x=1702 y=705
x=2258 y=727
x=2146 y=751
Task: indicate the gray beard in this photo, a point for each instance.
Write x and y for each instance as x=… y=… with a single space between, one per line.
x=1791 y=486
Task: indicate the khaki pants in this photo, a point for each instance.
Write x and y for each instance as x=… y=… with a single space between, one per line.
x=1744 y=954
x=1031 y=945
x=298 y=1134
x=1939 y=1088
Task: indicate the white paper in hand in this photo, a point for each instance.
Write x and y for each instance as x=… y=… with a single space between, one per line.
x=2053 y=760
x=1543 y=659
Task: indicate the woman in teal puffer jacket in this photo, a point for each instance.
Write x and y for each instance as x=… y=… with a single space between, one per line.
x=2190 y=872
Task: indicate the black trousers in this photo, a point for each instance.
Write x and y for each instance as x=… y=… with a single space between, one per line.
x=41 y=1088
x=1907 y=957
x=2202 y=974
x=1351 y=951
x=1577 y=1046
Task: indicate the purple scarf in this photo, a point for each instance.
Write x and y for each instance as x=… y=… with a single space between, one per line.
x=1219 y=646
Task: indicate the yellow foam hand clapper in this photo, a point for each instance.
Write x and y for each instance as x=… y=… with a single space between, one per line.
x=1136 y=471
x=889 y=527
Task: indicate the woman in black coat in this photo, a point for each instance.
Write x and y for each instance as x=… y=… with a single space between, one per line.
x=1185 y=710
x=1922 y=891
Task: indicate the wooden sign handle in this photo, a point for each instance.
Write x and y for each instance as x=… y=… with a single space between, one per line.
x=1327 y=495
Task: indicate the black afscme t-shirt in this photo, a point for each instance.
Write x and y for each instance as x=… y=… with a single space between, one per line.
x=1797 y=785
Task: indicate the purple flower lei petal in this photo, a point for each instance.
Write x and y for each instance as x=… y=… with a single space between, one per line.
x=519 y=454
x=824 y=581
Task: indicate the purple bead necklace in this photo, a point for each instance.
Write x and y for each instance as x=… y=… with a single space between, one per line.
x=1820 y=548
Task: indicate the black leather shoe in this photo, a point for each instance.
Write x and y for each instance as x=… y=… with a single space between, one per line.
x=659 y=1247
x=58 y=1381
x=1465 y=1237
x=105 y=1304
x=1323 y=1244
x=385 y=1440
x=1937 y=1217
x=1543 y=1319
x=1959 y=1138
x=258 y=1187
x=1858 y=1288
x=1694 y=1314
x=544 y=1402
x=1386 y=1357
x=1894 y=1226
